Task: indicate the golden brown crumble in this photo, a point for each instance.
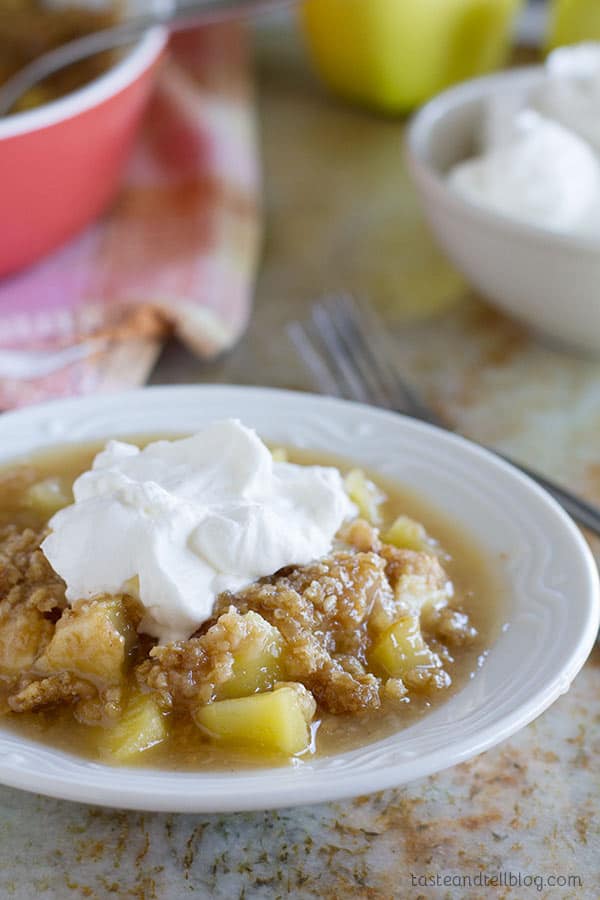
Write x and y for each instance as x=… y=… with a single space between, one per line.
x=64 y=687
x=327 y=616
x=26 y=576
x=193 y=670
x=32 y=596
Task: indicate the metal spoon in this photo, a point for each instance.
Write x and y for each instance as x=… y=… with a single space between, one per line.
x=180 y=15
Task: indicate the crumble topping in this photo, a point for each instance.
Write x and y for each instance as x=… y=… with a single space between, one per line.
x=318 y=622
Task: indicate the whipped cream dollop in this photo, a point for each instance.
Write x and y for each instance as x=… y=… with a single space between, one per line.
x=186 y=519
x=570 y=92
x=540 y=150
x=541 y=173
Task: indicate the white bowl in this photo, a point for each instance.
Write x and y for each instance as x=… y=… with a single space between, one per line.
x=548 y=280
x=552 y=594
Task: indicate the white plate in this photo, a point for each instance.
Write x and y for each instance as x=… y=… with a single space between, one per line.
x=553 y=612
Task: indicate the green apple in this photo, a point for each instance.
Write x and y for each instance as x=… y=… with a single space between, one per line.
x=573 y=21
x=394 y=54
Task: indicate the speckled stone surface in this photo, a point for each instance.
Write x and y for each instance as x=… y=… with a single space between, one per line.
x=341 y=214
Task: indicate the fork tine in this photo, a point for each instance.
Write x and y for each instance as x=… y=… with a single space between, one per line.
x=367 y=347
x=371 y=346
x=325 y=327
x=345 y=313
x=314 y=360
x=343 y=344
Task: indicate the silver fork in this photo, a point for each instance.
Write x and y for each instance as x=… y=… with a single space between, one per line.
x=344 y=346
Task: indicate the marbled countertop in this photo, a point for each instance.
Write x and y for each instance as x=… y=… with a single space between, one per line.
x=341 y=214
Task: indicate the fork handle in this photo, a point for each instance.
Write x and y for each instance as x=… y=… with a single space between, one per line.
x=585 y=514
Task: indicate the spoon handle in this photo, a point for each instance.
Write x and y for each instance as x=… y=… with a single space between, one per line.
x=183 y=14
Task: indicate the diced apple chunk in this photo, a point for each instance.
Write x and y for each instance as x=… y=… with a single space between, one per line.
x=274 y=722
x=132 y=587
x=401 y=649
x=365 y=494
x=279 y=454
x=49 y=495
x=421 y=586
x=257 y=660
x=407 y=534
x=141 y=726
x=91 y=640
x=23 y=634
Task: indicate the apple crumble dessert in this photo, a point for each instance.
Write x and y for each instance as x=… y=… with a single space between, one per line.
x=29 y=28
x=139 y=625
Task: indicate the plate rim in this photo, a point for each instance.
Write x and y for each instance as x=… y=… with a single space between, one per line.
x=183 y=798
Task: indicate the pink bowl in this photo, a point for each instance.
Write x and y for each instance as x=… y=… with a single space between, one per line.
x=60 y=164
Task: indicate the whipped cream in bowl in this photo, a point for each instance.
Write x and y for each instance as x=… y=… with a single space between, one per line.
x=570 y=91
x=509 y=186
x=180 y=521
x=541 y=173
x=539 y=156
